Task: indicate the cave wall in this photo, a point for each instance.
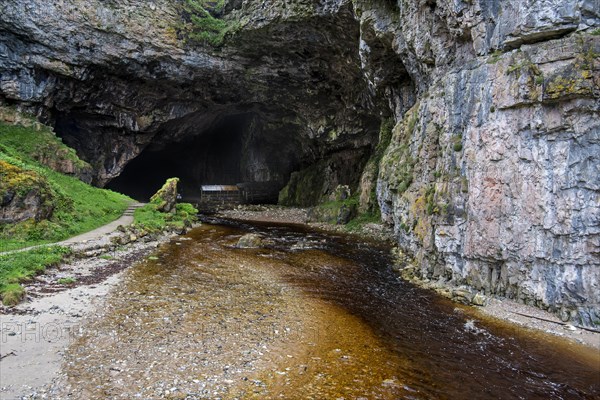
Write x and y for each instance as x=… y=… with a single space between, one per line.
x=491 y=177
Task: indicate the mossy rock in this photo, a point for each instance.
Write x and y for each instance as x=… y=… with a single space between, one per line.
x=335 y=212
x=166 y=197
x=24 y=195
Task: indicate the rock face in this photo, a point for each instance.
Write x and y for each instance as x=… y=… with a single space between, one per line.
x=492 y=174
x=492 y=178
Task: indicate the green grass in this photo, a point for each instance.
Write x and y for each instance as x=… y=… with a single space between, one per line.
x=596 y=32
x=78 y=207
x=42 y=146
x=20 y=267
x=66 y=281
x=149 y=218
x=361 y=220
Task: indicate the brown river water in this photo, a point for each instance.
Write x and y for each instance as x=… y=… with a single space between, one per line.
x=310 y=315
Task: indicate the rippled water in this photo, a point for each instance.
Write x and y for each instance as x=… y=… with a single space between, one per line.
x=310 y=315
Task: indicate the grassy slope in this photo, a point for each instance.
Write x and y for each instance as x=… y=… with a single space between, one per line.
x=78 y=207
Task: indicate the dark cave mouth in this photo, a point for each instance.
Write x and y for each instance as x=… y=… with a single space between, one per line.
x=233 y=151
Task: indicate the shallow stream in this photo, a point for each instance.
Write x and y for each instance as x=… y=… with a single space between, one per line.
x=309 y=315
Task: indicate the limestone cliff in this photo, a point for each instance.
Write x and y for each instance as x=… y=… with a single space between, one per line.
x=492 y=175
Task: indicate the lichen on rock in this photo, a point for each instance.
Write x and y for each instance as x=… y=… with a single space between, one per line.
x=24 y=195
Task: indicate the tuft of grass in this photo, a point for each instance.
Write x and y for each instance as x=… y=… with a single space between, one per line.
x=22 y=266
x=358 y=223
x=12 y=294
x=457 y=143
x=66 y=281
x=76 y=206
x=596 y=32
x=494 y=57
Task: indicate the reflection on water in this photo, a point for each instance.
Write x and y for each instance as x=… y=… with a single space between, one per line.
x=310 y=315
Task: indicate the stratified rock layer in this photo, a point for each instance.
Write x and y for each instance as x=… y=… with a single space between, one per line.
x=492 y=175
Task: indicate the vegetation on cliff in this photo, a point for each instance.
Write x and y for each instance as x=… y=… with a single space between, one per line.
x=202 y=22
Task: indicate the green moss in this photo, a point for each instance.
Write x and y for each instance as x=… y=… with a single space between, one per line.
x=494 y=57
x=457 y=143
x=329 y=211
x=398 y=163
x=385 y=136
x=430 y=205
x=464 y=185
x=19 y=181
x=22 y=266
x=358 y=223
x=539 y=79
x=595 y=32
x=305 y=187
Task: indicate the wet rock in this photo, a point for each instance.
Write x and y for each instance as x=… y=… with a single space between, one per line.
x=250 y=240
x=479 y=300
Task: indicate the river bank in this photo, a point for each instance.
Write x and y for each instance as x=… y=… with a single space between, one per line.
x=494 y=308
x=35 y=333
x=300 y=314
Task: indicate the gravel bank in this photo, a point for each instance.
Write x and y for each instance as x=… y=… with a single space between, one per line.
x=35 y=334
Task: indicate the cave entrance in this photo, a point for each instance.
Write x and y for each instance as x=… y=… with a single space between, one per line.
x=212 y=157
x=230 y=152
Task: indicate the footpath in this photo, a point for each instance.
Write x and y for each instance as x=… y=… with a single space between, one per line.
x=101 y=234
